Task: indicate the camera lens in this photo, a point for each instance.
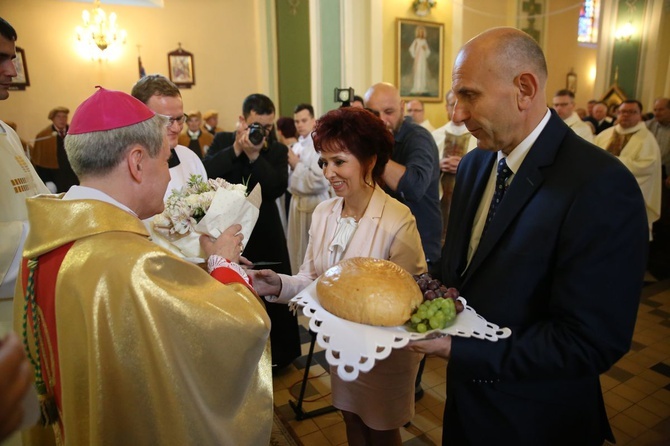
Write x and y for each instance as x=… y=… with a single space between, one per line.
x=256 y=134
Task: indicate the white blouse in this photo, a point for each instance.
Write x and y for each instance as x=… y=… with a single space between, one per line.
x=346 y=226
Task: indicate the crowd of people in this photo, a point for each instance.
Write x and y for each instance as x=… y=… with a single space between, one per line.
x=510 y=202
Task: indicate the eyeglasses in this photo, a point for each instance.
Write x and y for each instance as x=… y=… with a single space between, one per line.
x=170 y=120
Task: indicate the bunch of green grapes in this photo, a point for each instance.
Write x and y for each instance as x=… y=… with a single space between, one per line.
x=433 y=314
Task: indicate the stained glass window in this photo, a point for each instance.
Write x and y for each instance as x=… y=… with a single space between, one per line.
x=587 y=31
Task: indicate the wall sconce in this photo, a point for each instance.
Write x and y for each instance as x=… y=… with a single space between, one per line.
x=423 y=7
x=100 y=38
x=625 y=32
x=571 y=81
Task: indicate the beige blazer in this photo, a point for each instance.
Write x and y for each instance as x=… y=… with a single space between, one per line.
x=386 y=231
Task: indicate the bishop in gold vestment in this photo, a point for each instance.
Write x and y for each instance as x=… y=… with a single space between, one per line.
x=137 y=346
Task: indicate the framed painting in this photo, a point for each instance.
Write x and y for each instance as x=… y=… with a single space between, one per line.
x=614 y=96
x=181 y=68
x=419 y=49
x=21 y=81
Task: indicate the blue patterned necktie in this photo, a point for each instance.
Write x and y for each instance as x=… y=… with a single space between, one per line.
x=502 y=176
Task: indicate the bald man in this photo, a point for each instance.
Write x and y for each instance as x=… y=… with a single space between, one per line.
x=537 y=242
x=412 y=175
x=599 y=118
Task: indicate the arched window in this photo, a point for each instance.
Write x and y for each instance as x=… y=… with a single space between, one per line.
x=587 y=31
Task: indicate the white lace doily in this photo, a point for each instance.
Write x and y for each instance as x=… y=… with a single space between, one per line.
x=354 y=348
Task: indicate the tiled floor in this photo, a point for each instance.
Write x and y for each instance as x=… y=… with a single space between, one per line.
x=636 y=389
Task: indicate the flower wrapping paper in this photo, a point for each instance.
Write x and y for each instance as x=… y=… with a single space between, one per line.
x=228 y=207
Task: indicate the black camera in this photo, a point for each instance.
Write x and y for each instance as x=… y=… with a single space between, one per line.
x=344 y=95
x=256 y=133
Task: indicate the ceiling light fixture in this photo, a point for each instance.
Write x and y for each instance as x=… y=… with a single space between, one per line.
x=100 y=38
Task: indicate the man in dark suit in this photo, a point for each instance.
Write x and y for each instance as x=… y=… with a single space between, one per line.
x=599 y=118
x=239 y=158
x=559 y=259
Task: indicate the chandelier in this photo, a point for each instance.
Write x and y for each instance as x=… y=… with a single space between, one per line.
x=100 y=38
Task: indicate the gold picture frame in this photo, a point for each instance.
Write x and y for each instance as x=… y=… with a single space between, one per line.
x=419 y=67
x=21 y=81
x=181 y=68
x=613 y=96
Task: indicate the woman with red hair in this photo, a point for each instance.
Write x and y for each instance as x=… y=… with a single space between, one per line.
x=361 y=221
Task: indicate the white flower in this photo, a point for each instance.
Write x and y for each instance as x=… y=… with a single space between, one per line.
x=162 y=220
x=186 y=206
x=217 y=183
x=183 y=225
x=192 y=201
x=206 y=199
x=239 y=188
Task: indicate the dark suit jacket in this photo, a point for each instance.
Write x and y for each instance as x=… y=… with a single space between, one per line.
x=222 y=140
x=64 y=177
x=599 y=127
x=562 y=265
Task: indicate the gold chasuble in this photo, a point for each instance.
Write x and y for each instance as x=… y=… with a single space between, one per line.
x=138 y=346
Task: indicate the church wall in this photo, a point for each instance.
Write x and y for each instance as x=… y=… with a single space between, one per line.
x=330 y=53
x=652 y=79
x=223 y=35
x=564 y=53
x=661 y=85
x=480 y=15
x=293 y=56
x=233 y=53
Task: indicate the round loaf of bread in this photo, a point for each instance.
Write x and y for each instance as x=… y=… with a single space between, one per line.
x=369 y=291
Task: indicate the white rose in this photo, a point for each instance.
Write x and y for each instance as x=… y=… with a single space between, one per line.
x=192 y=201
x=206 y=199
x=162 y=220
x=238 y=188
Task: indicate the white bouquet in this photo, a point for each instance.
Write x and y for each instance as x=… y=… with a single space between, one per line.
x=204 y=207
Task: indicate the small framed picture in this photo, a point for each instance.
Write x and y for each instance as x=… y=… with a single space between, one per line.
x=21 y=81
x=181 y=68
x=614 y=96
x=419 y=72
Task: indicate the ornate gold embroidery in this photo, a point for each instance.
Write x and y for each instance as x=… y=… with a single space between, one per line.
x=23 y=184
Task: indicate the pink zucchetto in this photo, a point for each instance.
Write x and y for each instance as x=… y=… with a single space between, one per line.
x=108 y=110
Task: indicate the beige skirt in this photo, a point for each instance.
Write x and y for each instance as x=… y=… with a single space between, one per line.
x=384 y=396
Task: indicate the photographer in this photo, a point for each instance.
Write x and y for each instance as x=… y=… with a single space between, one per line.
x=251 y=155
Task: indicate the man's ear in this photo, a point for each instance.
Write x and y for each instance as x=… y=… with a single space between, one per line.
x=135 y=158
x=528 y=86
